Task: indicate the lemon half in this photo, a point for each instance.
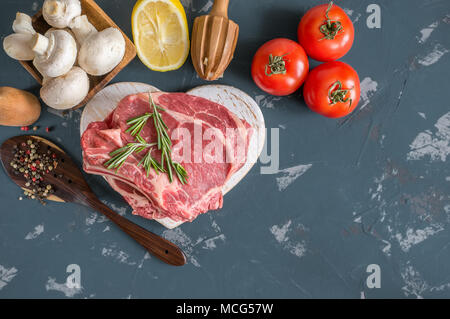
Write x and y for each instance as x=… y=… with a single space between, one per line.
x=161 y=34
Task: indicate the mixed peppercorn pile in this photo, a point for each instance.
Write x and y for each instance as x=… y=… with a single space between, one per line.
x=34 y=163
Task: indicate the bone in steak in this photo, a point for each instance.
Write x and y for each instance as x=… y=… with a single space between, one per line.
x=190 y=121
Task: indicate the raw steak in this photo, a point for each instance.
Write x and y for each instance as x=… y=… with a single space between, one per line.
x=188 y=119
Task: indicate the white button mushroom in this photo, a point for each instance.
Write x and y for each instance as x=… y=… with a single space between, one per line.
x=23 y=24
x=55 y=54
x=101 y=52
x=82 y=28
x=17 y=46
x=60 y=13
x=47 y=34
x=66 y=91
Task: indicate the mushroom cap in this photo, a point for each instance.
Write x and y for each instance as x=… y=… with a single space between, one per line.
x=59 y=13
x=66 y=91
x=47 y=34
x=101 y=52
x=17 y=46
x=82 y=28
x=23 y=24
x=60 y=57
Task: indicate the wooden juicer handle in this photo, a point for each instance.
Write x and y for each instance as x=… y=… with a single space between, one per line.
x=220 y=8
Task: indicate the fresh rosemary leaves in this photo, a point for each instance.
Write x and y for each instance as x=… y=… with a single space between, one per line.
x=119 y=156
x=164 y=144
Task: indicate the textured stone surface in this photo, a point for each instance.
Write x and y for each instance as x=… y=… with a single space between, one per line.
x=370 y=189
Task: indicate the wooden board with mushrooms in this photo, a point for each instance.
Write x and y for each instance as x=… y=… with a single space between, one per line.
x=67 y=53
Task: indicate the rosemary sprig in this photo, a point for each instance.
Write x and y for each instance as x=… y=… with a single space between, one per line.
x=148 y=162
x=119 y=156
x=137 y=124
x=164 y=144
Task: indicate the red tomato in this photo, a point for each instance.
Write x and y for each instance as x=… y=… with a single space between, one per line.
x=332 y=89
x=326 y=32
x=280 y=67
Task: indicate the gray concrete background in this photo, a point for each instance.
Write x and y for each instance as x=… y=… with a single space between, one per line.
x=377 y=190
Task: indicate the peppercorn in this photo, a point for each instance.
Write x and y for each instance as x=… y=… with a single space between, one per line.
x=30 y=160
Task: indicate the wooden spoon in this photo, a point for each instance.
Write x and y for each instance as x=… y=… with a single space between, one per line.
x=69 y=186
x=214 y=39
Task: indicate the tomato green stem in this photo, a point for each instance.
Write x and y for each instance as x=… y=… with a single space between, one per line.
x=331 y=28
x=276 y=64
x=337 y=94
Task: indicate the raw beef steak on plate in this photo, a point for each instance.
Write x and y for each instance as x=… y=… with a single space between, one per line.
x=208 y=140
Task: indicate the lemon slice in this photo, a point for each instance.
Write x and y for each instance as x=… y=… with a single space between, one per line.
x=160 y=33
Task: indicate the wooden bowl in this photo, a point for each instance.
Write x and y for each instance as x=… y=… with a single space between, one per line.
x=100 y=20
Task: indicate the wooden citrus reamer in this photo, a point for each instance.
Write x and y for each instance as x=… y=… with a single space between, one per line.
x=214 y=39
